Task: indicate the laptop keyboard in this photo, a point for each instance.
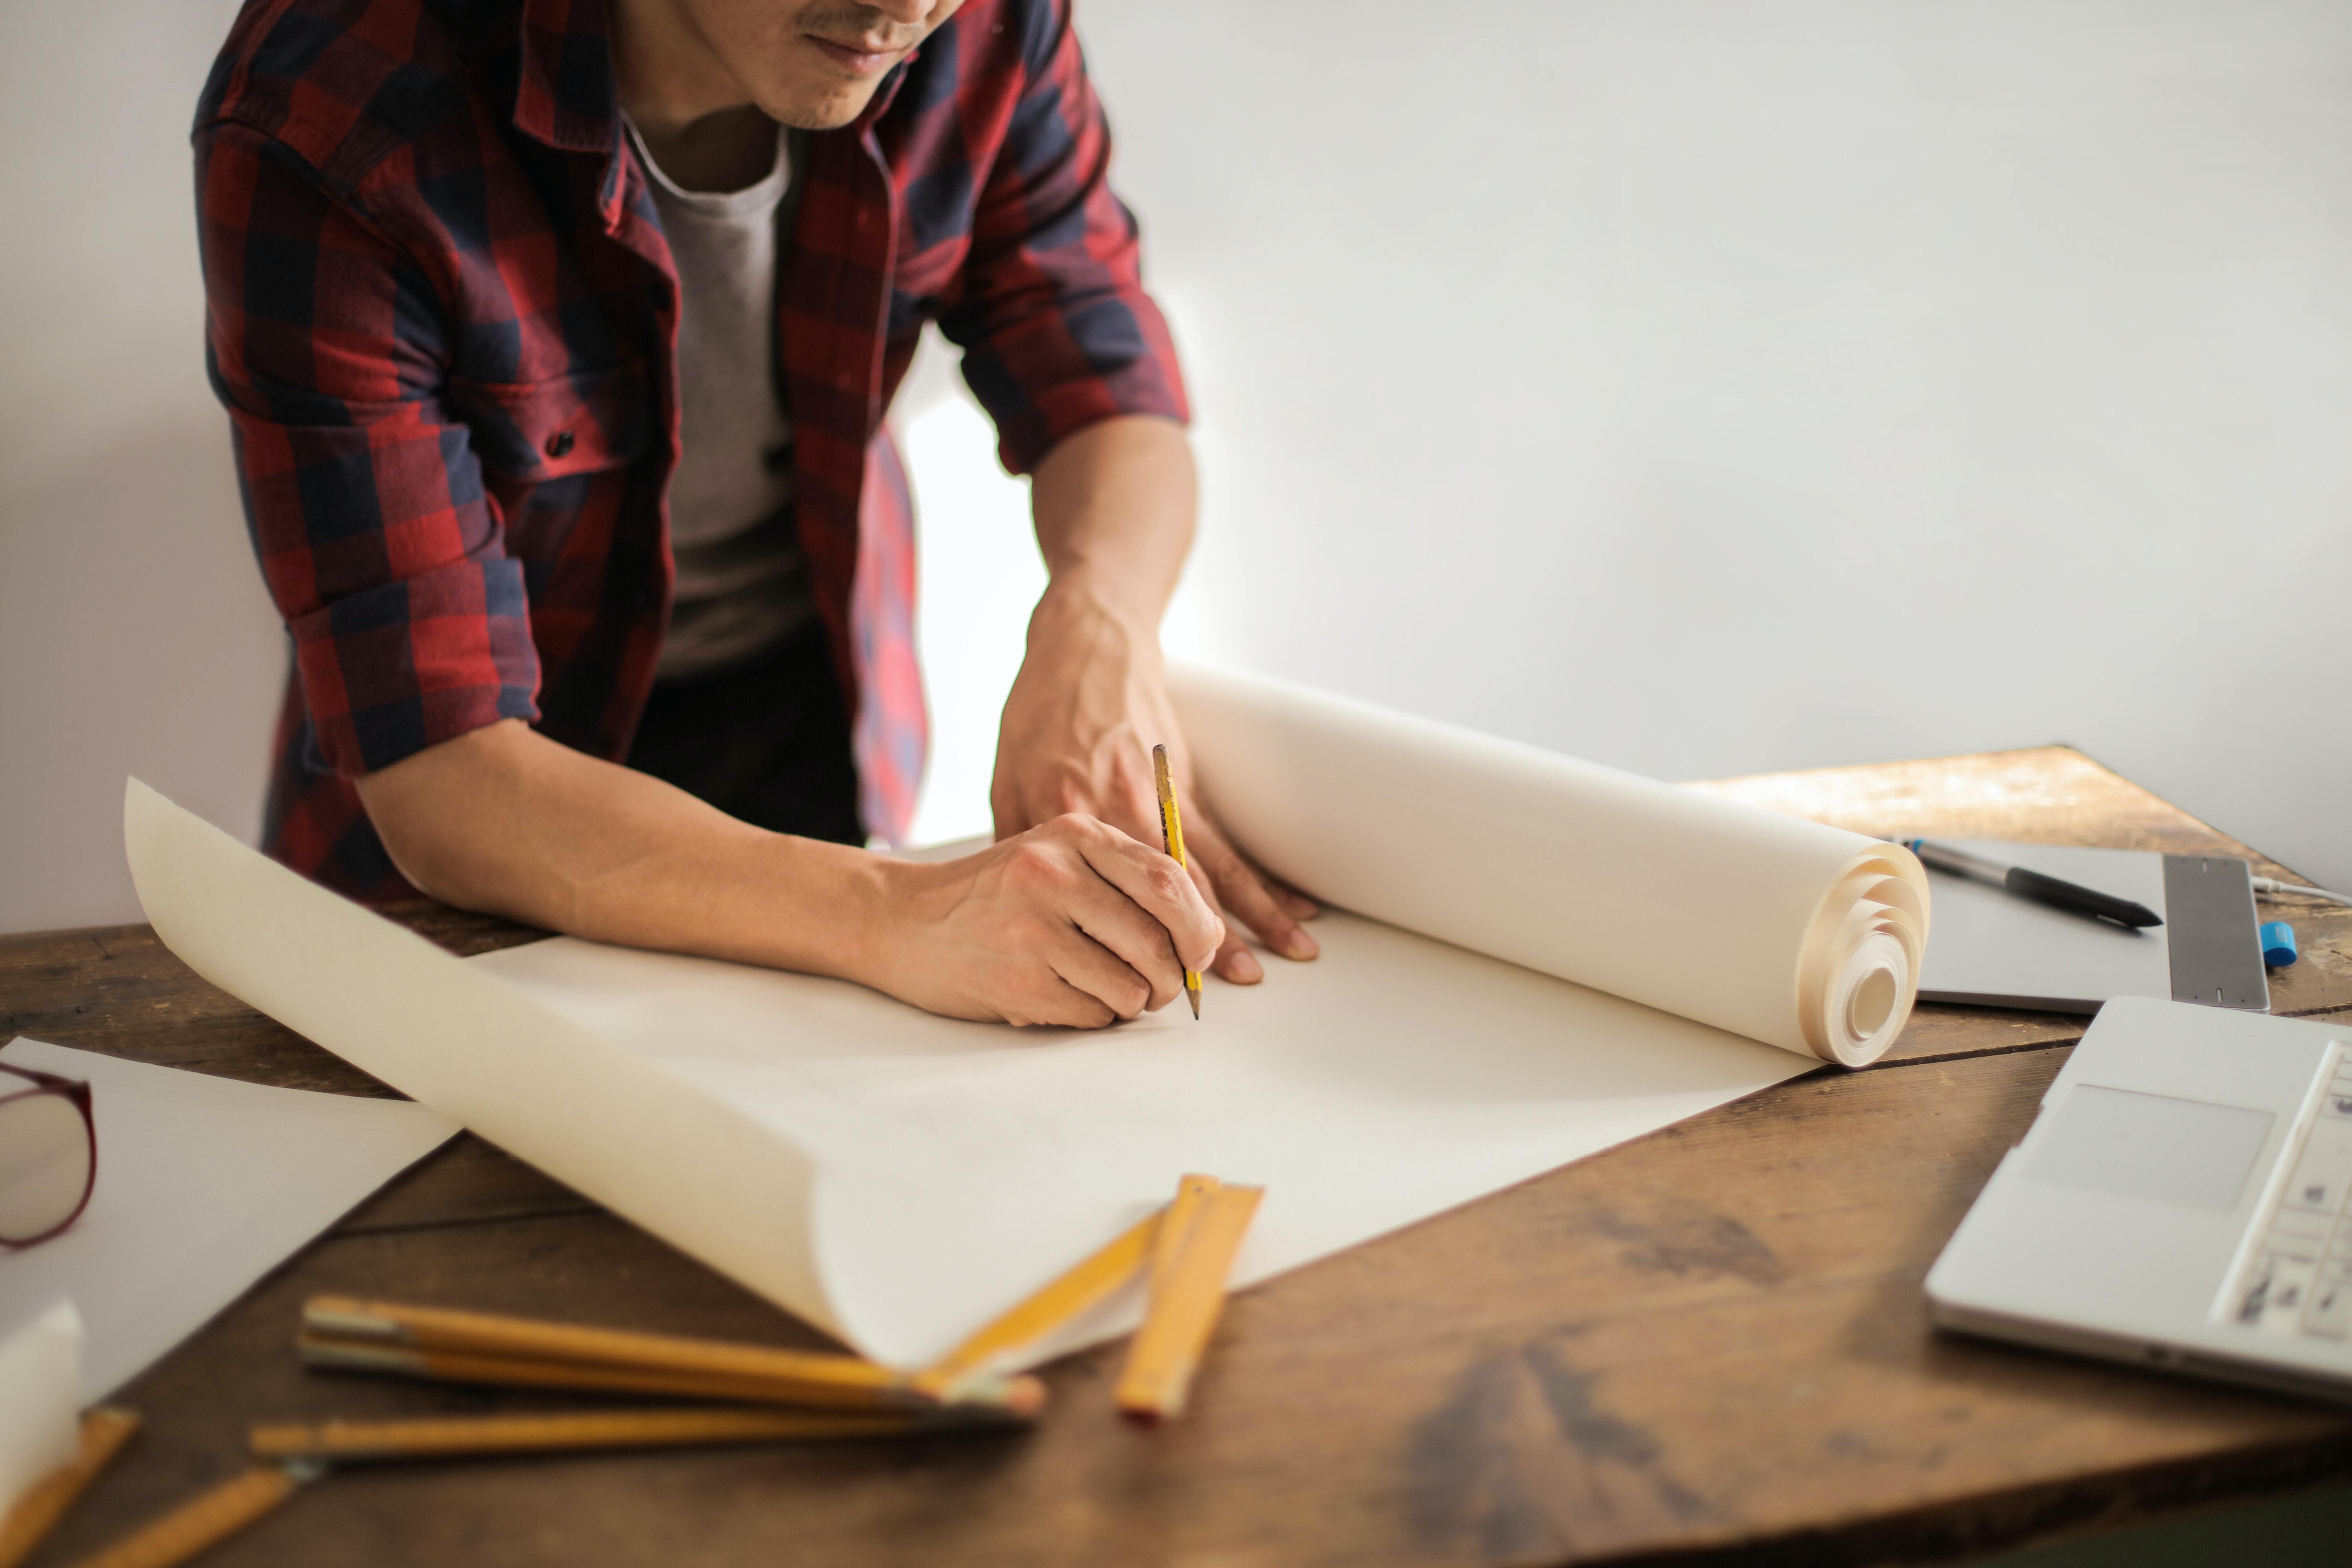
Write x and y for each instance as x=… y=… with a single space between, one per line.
x=2299 y=1281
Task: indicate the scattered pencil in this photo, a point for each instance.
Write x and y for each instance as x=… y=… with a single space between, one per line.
x=347 y=1442
x=1187 y=1249
x=1184 y=1211
x=480 y=1348
x=1188 y=1292
x=206 y=1518
x=27 y=1524
x=1047 y=1309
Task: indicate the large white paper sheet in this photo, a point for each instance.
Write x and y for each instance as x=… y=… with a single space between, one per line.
x=204 y=1185
x=899 y=1178
x=961 y=1165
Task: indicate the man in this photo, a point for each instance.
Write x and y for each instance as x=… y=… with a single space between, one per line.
x=556 y=342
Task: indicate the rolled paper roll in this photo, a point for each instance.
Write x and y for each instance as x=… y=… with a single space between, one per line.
x=1801 y=935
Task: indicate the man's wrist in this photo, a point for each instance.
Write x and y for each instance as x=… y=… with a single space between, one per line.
x=1081 y=602
x=838 y=922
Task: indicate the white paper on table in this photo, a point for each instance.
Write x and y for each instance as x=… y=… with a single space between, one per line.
x=964 y=1165
x=40 y=1390
x=899 y=1179
x=204 y=1185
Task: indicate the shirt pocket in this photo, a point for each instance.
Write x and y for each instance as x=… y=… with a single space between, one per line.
x=577 y=423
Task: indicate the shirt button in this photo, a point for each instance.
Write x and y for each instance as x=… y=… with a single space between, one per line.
x=558 y=444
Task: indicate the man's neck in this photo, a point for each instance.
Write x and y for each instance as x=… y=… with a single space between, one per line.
x=723 y=151
x=696 y=120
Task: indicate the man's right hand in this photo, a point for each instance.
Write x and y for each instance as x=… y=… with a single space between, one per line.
x=1072 y=922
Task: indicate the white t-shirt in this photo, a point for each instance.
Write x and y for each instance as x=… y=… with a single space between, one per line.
x=742 y=583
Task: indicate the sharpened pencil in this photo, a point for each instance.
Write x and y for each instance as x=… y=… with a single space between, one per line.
x=206 y=1518
x=1192 y=1200
x=1171 y=839
x=1188 y=1293
x=478 y=1347
x=27 y=1524
x=1004 y=1400
x=348 y=1442
x=1094 y=1277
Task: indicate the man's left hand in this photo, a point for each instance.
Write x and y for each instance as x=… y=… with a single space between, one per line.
x=1090 y=704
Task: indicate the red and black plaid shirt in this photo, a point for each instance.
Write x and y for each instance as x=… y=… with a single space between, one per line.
x=443 y=317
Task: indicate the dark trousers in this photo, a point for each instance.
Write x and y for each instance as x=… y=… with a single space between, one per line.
x=767 y=741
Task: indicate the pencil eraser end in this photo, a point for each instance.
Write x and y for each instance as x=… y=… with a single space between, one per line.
x=2278 y=943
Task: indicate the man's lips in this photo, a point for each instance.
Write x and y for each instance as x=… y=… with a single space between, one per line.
x=854 y=59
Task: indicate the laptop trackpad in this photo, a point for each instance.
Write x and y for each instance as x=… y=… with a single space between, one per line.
x=2185 y=1152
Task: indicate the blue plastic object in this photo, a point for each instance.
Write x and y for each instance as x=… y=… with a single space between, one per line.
x=2278 y=943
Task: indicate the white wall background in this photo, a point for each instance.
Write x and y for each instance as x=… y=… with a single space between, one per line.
x=1703 y=386
x=134 y=633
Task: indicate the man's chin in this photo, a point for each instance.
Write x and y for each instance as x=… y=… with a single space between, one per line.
x=826 y=106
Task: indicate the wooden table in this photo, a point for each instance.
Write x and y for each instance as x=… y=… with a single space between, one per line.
x=1708 y=1343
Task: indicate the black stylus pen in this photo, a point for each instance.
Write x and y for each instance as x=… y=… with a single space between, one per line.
x=2025 y=884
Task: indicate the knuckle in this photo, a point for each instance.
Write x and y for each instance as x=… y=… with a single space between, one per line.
x=1167 y=880
x=1033 y=866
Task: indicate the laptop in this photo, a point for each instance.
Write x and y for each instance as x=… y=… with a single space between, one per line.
x=2179 y=1202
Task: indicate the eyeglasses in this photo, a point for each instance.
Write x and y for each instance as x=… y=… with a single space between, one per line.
x=48 y=1155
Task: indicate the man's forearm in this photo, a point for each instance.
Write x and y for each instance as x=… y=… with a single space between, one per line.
x=506 y=821
x=1074 y=924
x=1114 y=507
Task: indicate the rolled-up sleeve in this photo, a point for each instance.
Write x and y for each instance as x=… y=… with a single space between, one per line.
x=364 y=500
x=1050 y=310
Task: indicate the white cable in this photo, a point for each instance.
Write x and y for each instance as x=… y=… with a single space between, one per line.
x=2273 y=885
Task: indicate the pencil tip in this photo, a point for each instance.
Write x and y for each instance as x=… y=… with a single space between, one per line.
x=1195 y=997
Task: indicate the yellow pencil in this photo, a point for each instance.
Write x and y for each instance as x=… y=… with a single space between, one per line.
x=24 y=1526
x=1171 y=838
x=207 y=1519
x=1045 y=1310
x=1188 y=1292
x=477 y=1347
x=345 y=1442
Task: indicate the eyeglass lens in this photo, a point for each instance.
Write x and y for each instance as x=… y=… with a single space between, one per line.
x=45 y=1164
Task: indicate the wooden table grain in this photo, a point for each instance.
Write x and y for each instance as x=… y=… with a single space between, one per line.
x=1708 y=1344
